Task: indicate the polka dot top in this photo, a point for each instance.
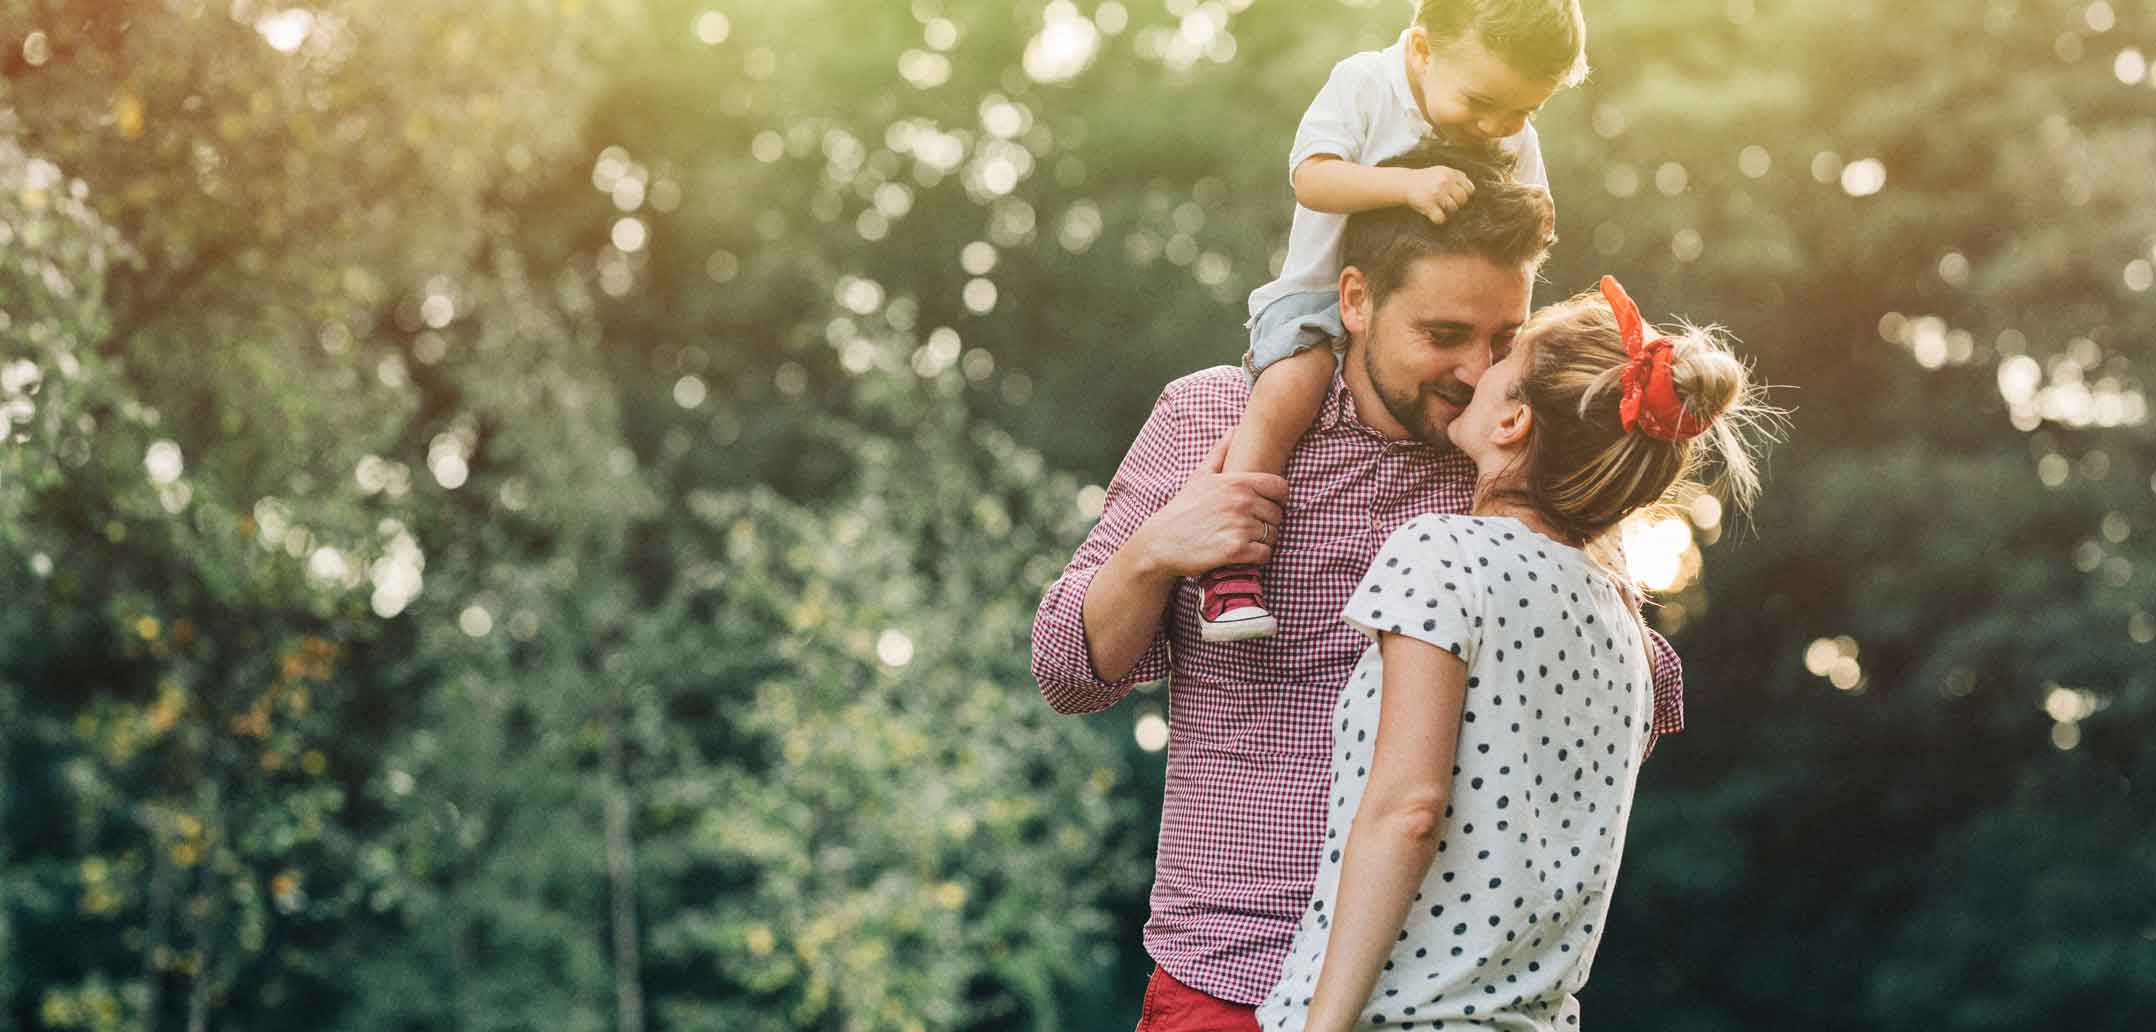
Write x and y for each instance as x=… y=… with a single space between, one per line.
x=1559 y=694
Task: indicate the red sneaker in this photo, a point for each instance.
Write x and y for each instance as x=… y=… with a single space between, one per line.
x=1231 y=606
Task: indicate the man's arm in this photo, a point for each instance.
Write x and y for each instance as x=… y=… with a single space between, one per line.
x=1098 y=632
x=1667 y=671
x=1668 y=718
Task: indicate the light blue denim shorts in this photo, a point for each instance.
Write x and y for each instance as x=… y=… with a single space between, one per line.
x=1292 y=324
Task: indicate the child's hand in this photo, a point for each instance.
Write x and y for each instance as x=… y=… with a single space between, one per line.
x=1438 y=191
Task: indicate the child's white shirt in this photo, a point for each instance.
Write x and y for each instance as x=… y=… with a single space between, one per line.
x=1366 y=114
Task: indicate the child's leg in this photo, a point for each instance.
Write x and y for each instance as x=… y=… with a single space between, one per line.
x=1283 y=404
x=1290 y=348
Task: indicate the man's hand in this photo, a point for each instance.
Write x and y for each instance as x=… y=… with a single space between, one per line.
x=1438 y=191
x=1217 y=519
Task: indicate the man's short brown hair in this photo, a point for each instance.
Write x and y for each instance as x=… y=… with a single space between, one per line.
x=1505 y=220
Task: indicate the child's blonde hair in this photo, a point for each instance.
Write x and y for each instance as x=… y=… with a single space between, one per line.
x=1545 y=40
x=1582 y=470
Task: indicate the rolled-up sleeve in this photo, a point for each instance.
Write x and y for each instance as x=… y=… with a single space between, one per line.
x=1152 y=471
x=1668 y=690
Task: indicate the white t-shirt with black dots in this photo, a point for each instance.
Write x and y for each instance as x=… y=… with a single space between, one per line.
x=1559 y=694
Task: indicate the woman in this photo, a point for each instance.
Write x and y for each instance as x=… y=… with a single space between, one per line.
x=1486 y=747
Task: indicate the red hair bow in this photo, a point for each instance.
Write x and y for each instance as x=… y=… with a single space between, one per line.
x=1650 y=392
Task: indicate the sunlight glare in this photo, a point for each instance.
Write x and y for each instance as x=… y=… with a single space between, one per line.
x=285 y=30
x=1063 y=48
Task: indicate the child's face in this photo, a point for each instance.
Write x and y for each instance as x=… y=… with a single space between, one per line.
x=1467 y=92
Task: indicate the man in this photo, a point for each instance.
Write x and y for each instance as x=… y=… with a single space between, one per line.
x=1427 y=307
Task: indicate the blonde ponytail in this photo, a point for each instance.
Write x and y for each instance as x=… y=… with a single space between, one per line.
x=1583 y=471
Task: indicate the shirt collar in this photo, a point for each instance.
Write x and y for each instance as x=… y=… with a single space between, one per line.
x=1338 y=415
x=1396 y=76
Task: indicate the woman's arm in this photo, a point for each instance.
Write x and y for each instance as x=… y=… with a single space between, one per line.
x=1397 y=825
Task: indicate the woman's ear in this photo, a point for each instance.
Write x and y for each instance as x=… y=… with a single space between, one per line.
x=1514 y=426
x=1354 y=301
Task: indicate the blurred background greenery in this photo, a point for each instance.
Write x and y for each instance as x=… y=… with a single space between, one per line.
x=527 y=513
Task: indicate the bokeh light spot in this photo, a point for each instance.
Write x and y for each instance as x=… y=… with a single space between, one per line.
x=1863 y=178
x=940 y=33
x=2130 y=66
x=712 y=28
x=689 y=391
x=163 y=462
x=1754 y=161
x=1064 y=46
x=285 y=30
x=1092 y=500
x=1671 y=178
x=1687 y=245
x=1151 y=732
x=894 y=648
x=1826 y=166
x=2140 y=275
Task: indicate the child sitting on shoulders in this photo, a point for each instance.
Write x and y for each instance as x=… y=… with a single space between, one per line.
x=1465 y=71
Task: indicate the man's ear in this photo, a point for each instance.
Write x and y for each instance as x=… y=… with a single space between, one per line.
x=1513 y=428
x=1354 y=301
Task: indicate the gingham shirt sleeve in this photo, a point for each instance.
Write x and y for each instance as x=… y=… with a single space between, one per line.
x=1151 y=473
x=1668 y=691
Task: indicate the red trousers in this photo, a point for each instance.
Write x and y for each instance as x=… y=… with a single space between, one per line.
x=1171 y=1006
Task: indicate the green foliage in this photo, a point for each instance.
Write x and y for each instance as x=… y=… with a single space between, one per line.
x=527 y=514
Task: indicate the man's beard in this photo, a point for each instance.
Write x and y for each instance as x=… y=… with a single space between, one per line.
x=1406 y=405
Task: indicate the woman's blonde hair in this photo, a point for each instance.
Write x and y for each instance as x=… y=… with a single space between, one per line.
x=1582 y=470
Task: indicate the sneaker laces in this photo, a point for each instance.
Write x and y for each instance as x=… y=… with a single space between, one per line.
x=1229 y=585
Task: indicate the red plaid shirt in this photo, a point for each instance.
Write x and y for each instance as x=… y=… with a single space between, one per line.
x=1250 y=746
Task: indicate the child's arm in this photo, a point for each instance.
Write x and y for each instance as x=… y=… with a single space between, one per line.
x=1330 y=183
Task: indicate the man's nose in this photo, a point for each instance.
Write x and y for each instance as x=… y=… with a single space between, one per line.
x=1472 y=365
